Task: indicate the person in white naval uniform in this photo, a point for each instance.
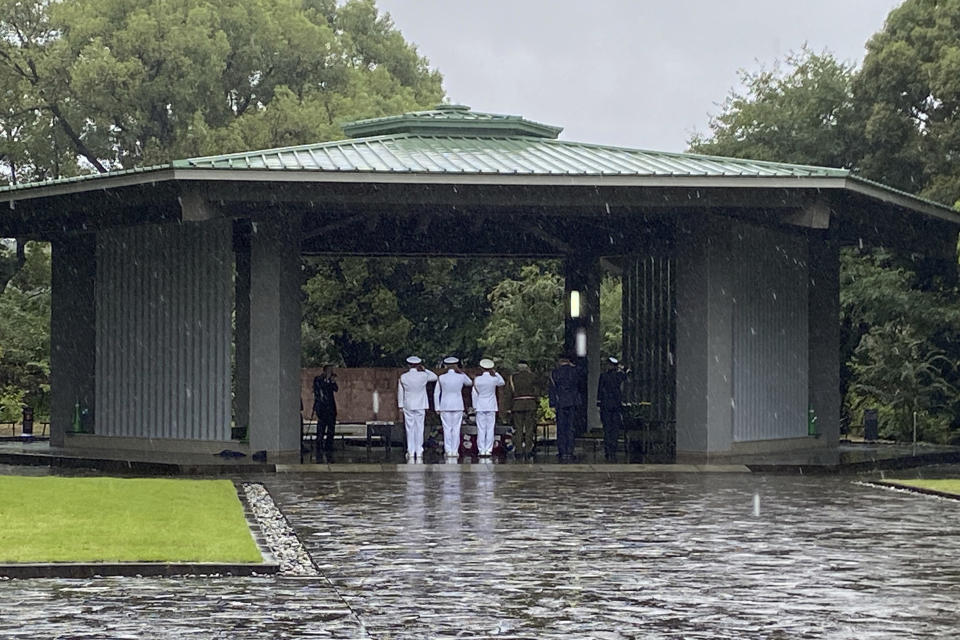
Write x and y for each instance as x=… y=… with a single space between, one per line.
x=448 y=401
x=412 y=398
x=485 y=404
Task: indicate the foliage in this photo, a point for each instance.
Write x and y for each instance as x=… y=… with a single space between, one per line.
x=51 y=519
x=801 y=114
x=907 y=98
x=123 y=83
x=24 y=336
x=526 y=322
x=369 y=312
x=611 y=315
x=899 y=360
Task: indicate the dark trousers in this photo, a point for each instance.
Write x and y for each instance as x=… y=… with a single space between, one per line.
x=612 y=420
x=326 y=425
x=565 y=421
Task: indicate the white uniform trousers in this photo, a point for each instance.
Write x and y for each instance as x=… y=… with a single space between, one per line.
x=413 y=422
x=485 y=422
x=451 y=431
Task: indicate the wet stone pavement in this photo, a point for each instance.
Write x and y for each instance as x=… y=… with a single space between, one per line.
x=448 y=555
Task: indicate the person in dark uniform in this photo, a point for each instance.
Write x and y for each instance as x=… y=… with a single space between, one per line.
x=611 y=407
x=524 y=401
x=565 y=398
x=325 y=407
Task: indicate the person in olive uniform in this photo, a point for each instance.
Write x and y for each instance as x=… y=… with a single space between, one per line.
x=566 y=398
x=611 y=406
x=525 y=400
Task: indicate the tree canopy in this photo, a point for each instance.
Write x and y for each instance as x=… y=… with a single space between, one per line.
x=908 y=100
x=121 y=83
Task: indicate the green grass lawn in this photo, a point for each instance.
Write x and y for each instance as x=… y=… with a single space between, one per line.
x=52 y=519
x=947 y=486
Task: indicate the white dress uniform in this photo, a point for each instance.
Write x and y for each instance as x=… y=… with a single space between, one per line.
x=412 y=398
x=485 y=403
x=448 y=401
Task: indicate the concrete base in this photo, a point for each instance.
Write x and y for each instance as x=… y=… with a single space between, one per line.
x=83 y=442
x=789 y=445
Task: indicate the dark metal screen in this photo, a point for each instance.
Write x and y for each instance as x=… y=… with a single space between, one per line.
x=649 y=334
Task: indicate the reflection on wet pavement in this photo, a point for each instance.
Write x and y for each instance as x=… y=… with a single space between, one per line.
x=443 y=555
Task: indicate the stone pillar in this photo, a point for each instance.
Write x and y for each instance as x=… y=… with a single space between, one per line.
x=72 y=332
x=268 y=334
x=704 y=346
x=824 y=342
x=582 y=276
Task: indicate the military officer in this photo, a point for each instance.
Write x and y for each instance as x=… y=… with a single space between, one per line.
x=565 y=397
x=524 y=402
x=485 y=404
x=448 y=401
x=611 y=406
x=412 y=398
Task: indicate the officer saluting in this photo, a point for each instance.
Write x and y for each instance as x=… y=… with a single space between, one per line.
x=611 y=406
x=412 y=398
x=448 y=402
x=485 y=403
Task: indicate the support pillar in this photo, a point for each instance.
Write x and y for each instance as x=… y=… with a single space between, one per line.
x=824 y=344
x=704 y=347
x=72 y=332
x=268 y=334
x=582 y=318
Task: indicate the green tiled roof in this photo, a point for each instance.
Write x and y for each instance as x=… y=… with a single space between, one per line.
x=409 y=153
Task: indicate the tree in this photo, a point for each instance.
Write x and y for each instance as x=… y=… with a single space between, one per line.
x=526 y=322
x=363 y=312
x=611 y=314
x=908 y=99
x=124 y=83
x=801 y=114
x=24 y=335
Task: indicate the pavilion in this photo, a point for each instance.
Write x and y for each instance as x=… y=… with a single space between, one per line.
x=176 y=288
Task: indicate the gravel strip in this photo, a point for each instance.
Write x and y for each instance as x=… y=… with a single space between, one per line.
x=278 y=534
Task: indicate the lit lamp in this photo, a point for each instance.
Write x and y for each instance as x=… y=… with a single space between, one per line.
x=574 y=304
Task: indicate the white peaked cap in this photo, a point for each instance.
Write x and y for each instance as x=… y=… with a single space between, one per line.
x=451 y=360
x=486 y=363
x=413 y=360
x=613 y=360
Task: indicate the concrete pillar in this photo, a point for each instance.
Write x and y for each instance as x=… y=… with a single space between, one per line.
x=824 y=343
x=268 y=334
x=704 y=346
x=582 y=282
x=72 y=332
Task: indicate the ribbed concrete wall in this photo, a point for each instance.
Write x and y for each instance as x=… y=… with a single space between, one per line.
x=770 y=318
x=164 y=298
